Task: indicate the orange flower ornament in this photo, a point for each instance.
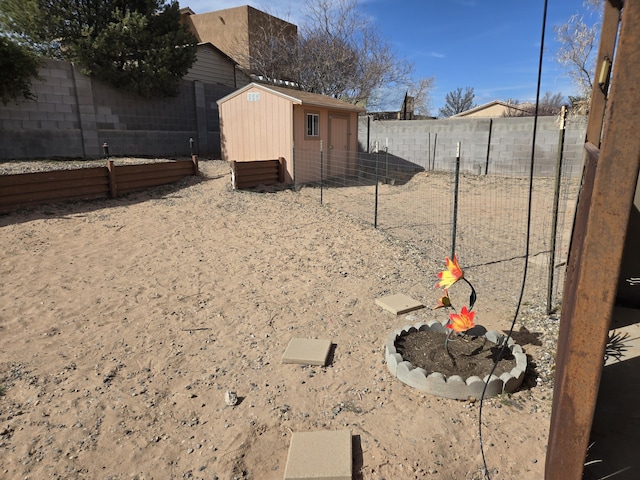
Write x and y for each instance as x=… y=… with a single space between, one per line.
x=444 y=301
x=451 y=275
x=461 y=322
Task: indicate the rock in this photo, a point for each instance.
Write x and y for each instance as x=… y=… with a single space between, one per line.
x=230 y=398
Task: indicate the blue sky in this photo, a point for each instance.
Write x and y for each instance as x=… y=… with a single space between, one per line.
x=490 y=45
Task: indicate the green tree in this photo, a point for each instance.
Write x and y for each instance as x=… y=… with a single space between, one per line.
x=458 y=101
x=136 y=45
x=18 y=65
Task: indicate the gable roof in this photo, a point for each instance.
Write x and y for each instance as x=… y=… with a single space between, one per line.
x=217 y=50
x=299 y=97
x=495 y=103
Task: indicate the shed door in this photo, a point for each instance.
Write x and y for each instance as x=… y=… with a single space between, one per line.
x=338 y=156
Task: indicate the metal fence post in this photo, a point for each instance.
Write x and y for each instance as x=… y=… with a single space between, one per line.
x=386 y=160
x=321 y=171
x=486 y=165
x=433 y=159
x=429 y=152
x=556 y=201
x=455 y=202
x=375 y=208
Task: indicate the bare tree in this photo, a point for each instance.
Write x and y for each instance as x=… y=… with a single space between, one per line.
x=550 y=104
x=577 y=50
x=421 y=90
x=457 y=101
x=342 y=55
x=338 y=53
x=273 y=53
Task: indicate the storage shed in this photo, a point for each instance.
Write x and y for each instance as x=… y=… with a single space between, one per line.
x=265 y=122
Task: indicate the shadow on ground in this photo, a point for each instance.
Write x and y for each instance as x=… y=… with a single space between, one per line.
x=615 y=433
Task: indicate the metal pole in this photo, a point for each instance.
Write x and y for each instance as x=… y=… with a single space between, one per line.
x=455 y=202
x=435 y=141
x=486 y=165
x=386 y=160
x=556 y=202
x=375 y=208
x=429 y=152
x=321 y=171
x=368 y=133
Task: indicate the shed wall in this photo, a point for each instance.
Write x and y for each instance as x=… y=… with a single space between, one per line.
x=260 y=129
x=308 y=149
x=308 y=165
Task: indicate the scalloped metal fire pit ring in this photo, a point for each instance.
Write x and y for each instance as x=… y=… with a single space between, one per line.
x=454 y=386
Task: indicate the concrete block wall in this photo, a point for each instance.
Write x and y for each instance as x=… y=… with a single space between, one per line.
x=498 y=146
x=74 y=115
x=48 y=127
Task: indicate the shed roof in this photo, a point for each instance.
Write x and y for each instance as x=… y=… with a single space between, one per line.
x=299 y=97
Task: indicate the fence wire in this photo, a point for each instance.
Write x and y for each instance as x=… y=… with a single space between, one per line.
x=416 y=205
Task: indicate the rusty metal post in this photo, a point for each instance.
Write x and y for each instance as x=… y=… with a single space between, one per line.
x=597 y=246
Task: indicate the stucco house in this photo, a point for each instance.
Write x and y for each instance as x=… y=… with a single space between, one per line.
x=239 y=32
x=263 y=122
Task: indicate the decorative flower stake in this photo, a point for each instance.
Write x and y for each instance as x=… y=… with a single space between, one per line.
x=426 y=378
x=461 y=322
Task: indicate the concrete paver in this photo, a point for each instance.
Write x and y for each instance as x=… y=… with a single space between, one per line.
x=307 y=351
x=399 y=303
x=321 y=455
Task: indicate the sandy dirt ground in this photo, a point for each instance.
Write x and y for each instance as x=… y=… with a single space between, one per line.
x=123 y=323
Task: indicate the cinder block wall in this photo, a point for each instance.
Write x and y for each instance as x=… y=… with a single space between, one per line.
x=50 y=126
x=75 y=115
x=498 y=146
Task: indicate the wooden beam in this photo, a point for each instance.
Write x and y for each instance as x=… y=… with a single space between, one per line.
x=594 y=260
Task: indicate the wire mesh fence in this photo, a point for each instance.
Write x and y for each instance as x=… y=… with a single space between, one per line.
x=482 y=217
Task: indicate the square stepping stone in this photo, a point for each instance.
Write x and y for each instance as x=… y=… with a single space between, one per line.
x=323 y=455
x=307 y=351
x=399 y=303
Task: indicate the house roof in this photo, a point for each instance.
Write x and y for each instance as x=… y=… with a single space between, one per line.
x=213 y=47
x=479 y=108
x=299 y=97
x=486 y=106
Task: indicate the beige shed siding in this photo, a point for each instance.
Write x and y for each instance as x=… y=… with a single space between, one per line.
x=256 y=130
x=212 y=67
x=271 y=127
x=308 y=149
